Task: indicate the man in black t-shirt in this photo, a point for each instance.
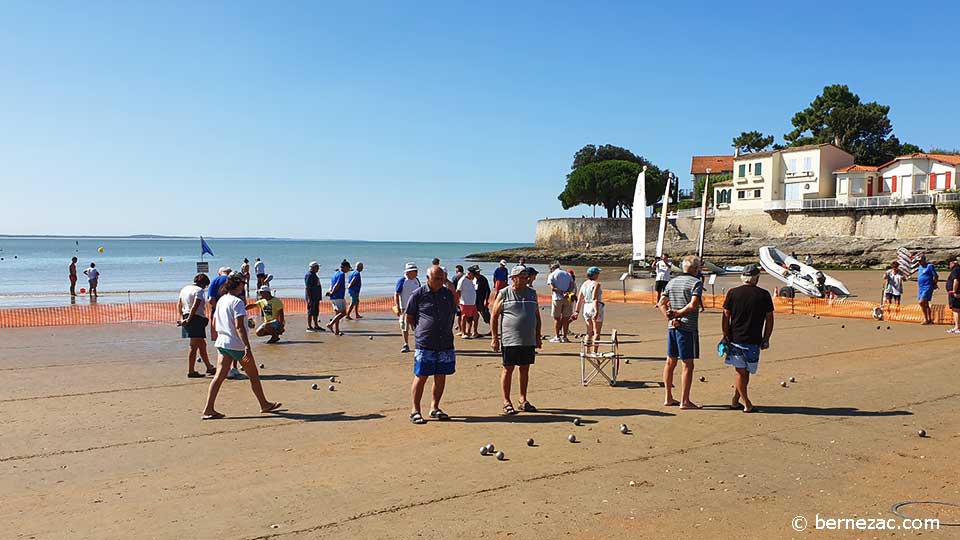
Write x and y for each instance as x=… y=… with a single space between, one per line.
x=953 y=295
x=747 y=326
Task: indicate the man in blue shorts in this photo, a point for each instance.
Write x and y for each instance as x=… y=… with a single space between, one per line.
x=747 y=327
x=927 y=279
x=431 y=310
x=337 y=293
x=680 y=304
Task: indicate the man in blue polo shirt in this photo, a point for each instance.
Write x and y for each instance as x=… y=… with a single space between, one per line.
x=431 y=310
x=354 y=282
x=337 y=293
x=500 y=277
x=927 y=279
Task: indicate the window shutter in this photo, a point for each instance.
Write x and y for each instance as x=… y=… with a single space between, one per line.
x=947 y=181
x=933 y=181
x=870 y=187
x=893 y=184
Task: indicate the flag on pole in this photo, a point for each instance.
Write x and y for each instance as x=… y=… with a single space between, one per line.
x=204 y=248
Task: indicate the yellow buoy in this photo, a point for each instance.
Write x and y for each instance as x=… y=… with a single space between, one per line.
x=100 y=249
x=161 y=259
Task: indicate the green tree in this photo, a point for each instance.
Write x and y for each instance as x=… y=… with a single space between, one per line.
x=752 y=141
x=607 y=176
x=837 y=116
x=714 y=179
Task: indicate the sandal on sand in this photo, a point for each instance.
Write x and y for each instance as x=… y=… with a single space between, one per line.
x=214 y=416
x=211 y=371
x=271 y=408
x=508 y=410
x=195 y=375
x=526 y=406
x=439 y=415
x=417 y=419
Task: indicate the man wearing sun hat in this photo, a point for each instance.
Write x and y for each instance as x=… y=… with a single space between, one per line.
x=747 y=327
x=406 y=285
x=272 y=310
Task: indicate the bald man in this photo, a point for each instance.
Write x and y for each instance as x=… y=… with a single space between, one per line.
x=430 y=310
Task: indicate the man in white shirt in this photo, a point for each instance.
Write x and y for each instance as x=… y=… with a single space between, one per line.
x=561 y=307
x=261 y=272
x=467 y=298
x=662 y=269
x=406 y=285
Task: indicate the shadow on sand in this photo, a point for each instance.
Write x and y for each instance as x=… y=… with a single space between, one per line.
x=559 y=416
x=826 y=411
x=306 y=417
x=289 y=377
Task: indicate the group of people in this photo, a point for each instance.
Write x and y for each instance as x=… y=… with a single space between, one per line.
x=345 y=281
x=92 y=275
x=928 y=281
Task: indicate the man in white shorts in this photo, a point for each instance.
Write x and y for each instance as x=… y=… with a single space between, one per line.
x=406 y=285
x=561 y=306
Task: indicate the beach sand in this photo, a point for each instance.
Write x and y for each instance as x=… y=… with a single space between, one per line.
x=100 y=437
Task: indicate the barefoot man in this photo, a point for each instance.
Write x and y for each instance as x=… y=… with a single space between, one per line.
x=747 y=327
x=680 y=304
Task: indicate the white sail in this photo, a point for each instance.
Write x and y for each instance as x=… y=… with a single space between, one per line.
x=703 y=222
x=663 y=217
x=640 y=217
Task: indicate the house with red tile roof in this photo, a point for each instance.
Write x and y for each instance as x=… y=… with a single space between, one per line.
x=700 y=166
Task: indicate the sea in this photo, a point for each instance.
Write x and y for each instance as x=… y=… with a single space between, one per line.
x=34 y=271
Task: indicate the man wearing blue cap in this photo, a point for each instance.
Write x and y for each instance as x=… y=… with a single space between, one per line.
x=747 y=327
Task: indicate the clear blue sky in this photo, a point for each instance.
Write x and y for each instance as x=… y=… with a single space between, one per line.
x=434 y=121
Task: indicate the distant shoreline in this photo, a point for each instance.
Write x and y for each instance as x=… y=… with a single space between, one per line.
x=247 y=238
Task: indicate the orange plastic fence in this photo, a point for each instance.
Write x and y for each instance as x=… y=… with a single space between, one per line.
x=166 y=312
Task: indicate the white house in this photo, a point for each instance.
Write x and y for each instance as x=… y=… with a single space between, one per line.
x=856 y=181
x=916 y=174
x=763 y=180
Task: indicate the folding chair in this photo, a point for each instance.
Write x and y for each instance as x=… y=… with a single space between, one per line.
x=605 y=364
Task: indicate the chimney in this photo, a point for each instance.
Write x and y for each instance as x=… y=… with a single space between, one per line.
x=736 y=152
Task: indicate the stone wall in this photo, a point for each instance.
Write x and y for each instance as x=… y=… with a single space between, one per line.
x=902 y=223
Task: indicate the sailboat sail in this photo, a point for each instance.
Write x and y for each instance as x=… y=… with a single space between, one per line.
x=640 y=217
x=663 y=217
x=703 y=222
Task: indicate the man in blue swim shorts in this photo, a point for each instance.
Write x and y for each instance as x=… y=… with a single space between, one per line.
x=431 y=310
x=747 y=327
x=927 y=279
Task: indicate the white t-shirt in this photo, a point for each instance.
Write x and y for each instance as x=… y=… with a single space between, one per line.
x=229 y=307
x=468 y=292
x=188 y=296
x=92 y=274
x=405 y=288
x=562 y=280
x=663 y=271
x=259 y=268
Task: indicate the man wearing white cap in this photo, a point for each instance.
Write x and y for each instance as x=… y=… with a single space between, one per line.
x=500 y=277
x=406 y=285
x=272 y=310
x=313 y=291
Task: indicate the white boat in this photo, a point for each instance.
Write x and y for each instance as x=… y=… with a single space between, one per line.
x=805 y=279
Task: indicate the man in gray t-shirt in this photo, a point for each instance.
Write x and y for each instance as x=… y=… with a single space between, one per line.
x=515 y=331
x=680 y=304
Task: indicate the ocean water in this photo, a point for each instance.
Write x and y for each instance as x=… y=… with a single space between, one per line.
x=34 y=271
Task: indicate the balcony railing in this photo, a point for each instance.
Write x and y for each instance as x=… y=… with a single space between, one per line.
x=690 y=213
x=860 y=203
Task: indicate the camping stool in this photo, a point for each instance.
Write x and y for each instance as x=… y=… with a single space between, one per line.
x=605 y=364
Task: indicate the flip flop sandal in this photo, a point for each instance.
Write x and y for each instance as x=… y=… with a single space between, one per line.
x=508 y=410
x=272 y=408
x=195 y=375
x=526 y=406
x=439 y=415
x=214 y=416
x=212 y=371
x=417 y=419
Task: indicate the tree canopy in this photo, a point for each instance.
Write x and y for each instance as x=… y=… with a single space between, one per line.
x=607 y=176
x=837 y=116
x=752 y=141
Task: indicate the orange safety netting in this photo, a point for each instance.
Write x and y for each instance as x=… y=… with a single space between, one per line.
x=166 y=312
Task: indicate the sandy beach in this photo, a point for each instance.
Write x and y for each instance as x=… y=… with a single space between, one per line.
x=101 y=438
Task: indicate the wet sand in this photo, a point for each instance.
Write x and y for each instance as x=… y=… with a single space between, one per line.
x=100 y=437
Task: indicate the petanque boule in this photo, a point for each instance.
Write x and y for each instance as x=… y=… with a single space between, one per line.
x=576 y=421
x=703 y=379
x=529 y=442
x=783 y=384
x=572 y=438
x=624 y=429
x=261 y=366
x=500 y=456
x=490 y=448
x=315 y=386
x=483 y=451
x=922 y=433
x=793 y=379
x=333 y=379
x=371 y=338
x=331 y=388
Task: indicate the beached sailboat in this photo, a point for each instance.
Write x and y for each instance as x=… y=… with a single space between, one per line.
x=639 y=223
x=801 y=277
x=707 y=265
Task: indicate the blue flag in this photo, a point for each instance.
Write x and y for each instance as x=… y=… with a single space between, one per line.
x=204 y=248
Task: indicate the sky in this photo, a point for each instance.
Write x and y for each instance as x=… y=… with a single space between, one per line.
x=419 y=120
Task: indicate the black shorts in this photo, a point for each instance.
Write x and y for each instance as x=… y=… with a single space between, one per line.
x=196 y=329
x=660 y=286
x=892 y=297
x=313 y=307
x=953 y=301
x=520 y=355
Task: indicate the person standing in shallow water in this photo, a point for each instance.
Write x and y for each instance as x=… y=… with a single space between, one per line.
x=73 y=276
